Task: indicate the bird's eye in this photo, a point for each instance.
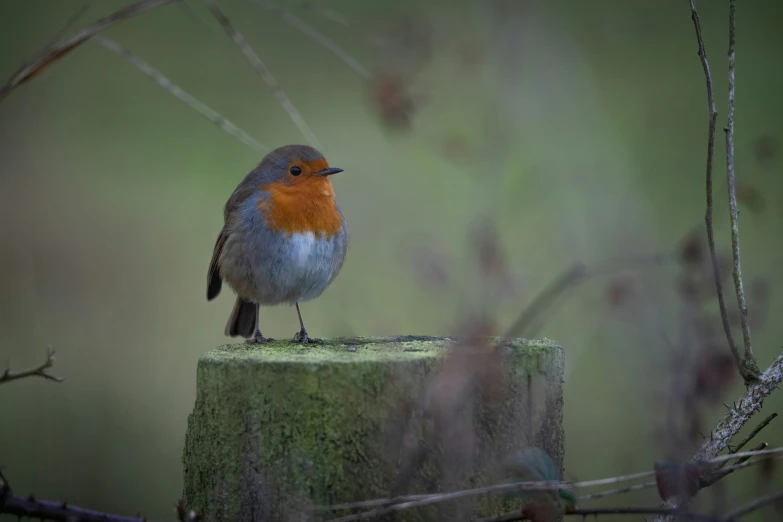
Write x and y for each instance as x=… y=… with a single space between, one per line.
x=295 y=171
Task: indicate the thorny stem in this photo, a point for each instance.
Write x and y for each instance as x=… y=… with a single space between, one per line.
x=750 y=368
x=747 y=405
x=753 y=433
x=759 y=386
x=746 y=375
x=38 y=371
x=30 y=507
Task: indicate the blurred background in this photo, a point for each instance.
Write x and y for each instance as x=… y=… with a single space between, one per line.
x=524 y=136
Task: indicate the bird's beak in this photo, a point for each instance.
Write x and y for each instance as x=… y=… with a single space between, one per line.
x=330 y=171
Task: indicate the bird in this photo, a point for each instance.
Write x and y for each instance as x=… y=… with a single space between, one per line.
x=283 y=241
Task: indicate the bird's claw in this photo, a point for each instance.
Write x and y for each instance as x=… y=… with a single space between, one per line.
x=259 y=339
x=301 y=337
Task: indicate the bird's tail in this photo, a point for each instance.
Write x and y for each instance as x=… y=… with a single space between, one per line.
x=243 y=320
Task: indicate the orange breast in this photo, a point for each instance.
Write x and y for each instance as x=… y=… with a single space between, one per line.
x=304 y=207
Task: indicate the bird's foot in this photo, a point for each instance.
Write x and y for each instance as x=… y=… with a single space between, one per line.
x=301 y=337
x=259 y=339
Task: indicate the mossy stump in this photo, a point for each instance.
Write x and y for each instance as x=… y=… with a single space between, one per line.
x=280 y=429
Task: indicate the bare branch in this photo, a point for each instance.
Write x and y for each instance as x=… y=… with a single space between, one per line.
x=68 y=24
x=192 y=102
x=750 y=366
x=497 y=488
x=319 y=38
x=38 y=371
x=618 y=491
x=747 y=376
x=750 y=403
x=263 y=72
x=756 y=504
x=753 y=433
x=30 y=507
x=707 y=479
x=516 y=515
x=330 y=14
x=44 y=59
x=401 y=503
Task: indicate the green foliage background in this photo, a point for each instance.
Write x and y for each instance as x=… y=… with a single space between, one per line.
x=585 y=131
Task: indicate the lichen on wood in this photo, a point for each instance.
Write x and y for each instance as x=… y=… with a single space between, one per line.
x=281 y=427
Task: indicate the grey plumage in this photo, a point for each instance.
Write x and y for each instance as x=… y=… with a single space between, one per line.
x=265 y=266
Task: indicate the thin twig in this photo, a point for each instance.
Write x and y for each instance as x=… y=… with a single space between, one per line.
x=575 y=275
x=331 y=14
x=754 y=453
x=708 y=214
x=38 y=371
x=196 y=18
x=708 y=479
x=517 y=515
x=497 y=488
x=367 y=503
x=422 y=500
x=753 y=433
x=42 y=60
x=319 y=38
x=263 y=72
x=749 y=363
x=754 y=505
x=195 y=104
x=618 y=491
x=67 y=27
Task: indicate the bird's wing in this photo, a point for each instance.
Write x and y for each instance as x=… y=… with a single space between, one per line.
x=214 y=282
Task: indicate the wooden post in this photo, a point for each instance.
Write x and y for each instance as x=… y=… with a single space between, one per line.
x=280 y=428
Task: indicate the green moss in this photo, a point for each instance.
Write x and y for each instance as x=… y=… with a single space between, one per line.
x=357 y=349
x=281 y=426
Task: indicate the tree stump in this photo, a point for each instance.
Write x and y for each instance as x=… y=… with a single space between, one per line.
x=281 y=429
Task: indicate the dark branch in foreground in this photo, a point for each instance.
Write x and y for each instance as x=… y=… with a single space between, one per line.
x=744 y=372
x=59 y=511
x=55 y=52
x=30 y=507
x=749 y=364
x=38 y=371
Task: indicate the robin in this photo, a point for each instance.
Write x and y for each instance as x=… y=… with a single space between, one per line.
x=284 y=239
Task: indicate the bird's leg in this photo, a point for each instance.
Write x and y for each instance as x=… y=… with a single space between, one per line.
x=258 y=338
x=301 y=336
